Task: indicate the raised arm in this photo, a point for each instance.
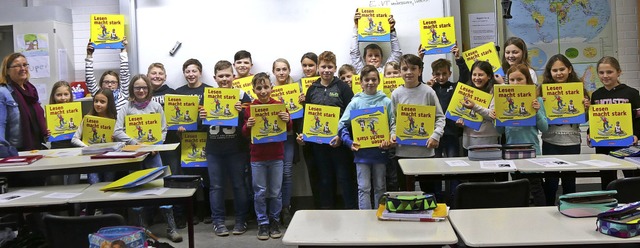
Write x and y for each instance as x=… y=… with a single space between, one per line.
x=396 y=52
x=89 y=75
x=124 y=71
x=356 y=57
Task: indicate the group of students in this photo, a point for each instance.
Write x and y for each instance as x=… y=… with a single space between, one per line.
x=261 y=174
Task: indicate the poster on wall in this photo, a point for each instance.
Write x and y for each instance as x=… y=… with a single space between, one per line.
x=35 y=48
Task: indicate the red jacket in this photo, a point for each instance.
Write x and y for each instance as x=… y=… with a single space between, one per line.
x=267 y=151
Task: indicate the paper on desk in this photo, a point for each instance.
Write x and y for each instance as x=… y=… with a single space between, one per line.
x=498 y=165
x=154 y=191
x=7 y=197
x=59 y=195
x=550 y=162
x=63 y=153
x=456 y=163
x=598 y=163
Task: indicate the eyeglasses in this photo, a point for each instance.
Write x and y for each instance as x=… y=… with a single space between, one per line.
x=19 y=66
x=109 y=82
x=140 y=88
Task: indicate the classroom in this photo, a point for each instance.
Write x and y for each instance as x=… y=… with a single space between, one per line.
x=450 y=96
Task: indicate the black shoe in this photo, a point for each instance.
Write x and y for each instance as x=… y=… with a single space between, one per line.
x=207 y=220
x=274 y=230
x=181 y=222
x=286 y=216
x=263 y=232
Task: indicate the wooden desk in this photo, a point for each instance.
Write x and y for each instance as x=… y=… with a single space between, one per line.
x=72 y=164
x=531 y=226
x=313 y=228
x=93 y=198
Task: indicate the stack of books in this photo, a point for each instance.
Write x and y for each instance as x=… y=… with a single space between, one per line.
x=103 y=148
x=20 y=160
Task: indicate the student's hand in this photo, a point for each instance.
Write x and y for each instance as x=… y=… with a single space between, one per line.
x=432 y=81
x=587 y=103
x=202 y=113
x=589 y=141
x=124 y=43
x=635 y=140
x=535 y=105
x=420 y=52
x=492 y=114
x=355 y=146
x=301 y=98
x=392 y=24
x=90 y=49
x=455 y=51
x=251 y=121
x=386 y=144
x=48 y=133
x=432 y=143
x=469 y=104
x=499 y=79
x=181 y=129
x=299 y=139
x=356 y=17
x=238 y=106
x=393 y=139
x=335 y=142
x=460 y=122
x=284 y=116
x=153 y=153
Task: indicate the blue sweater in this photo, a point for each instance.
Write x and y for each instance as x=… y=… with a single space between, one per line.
x=519 y=135
x=362 y=101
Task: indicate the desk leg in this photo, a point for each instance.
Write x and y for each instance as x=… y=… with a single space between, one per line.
x=189 y=206
x=410 y=183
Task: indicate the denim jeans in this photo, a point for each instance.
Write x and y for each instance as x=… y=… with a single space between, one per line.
x=449 y=147
x=551 y=183
x=267 y=194
x=222 y=167
x=367 y=172
x=333 y=165
x=287 y=177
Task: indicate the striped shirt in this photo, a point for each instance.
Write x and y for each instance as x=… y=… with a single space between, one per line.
x=121 y=94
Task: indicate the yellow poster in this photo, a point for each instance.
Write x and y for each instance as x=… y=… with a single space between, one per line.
x=97 y=129
x=563 y=103
x=514 y=105
x=370 y=126
x=373 y=25
x=107 y=31
x=219 y=104
x=611 y=125
x=307 y=82
x=193 y=152
x=63 y=120
x=462 y=94
x=437 y=35
x=414 y=124
x=486 y=52
x=289 y=95
x=390 y=84
x=181 y=110
x=245 y=85
x=268 y=127
x=144 y=128
x=320 y=123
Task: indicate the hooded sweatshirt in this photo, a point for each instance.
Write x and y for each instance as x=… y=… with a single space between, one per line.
x=362 y=100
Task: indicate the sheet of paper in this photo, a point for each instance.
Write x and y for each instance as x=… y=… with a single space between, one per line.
x=120 y=154
x=507 y=165
x=455 y=163
x=64 y=153
x=550 y=162
x=11 y=196
x=154 y=191
x=598 y=163
x=59 y=195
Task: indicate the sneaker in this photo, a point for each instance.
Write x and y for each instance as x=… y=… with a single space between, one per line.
x=207 y=220
x=220 y=230
x=239 y=228
x=181 y=222
x=286 y=216
x=196 y=220
x=263 y=232
x=274 y=230
x=173 y=235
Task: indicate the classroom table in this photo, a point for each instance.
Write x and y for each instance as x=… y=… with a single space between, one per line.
x=318 y=228
x=71 y=164
x=93 y=198
x=36 y=202
x=528 y=226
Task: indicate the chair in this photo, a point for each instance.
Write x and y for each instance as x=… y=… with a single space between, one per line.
x=627 y=189
x=492 y=194
x=73 y=231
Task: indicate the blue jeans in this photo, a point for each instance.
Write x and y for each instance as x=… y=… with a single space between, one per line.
x=333 y=165
x=551 y=183
x=223 y=167
x=287 y=182
x=267 y=194
x=367 y=172
x=449 y=147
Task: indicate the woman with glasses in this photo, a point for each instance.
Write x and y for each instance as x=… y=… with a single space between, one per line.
x=119 y=84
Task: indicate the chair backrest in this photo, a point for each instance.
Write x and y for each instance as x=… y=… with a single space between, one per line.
x=73 y=231
x=628 y=189
x=492 y=194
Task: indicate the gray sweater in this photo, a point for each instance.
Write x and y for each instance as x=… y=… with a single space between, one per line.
x=420 y=95
x=487 y=134
x=119 y=133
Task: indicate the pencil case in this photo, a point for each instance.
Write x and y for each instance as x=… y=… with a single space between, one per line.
x=182 y=181
x=587 y=204
x=409 y=201
x=621 y=221
x=518 y=151
x=485 y=152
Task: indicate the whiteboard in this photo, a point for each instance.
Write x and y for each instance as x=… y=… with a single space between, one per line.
x=268 y=29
